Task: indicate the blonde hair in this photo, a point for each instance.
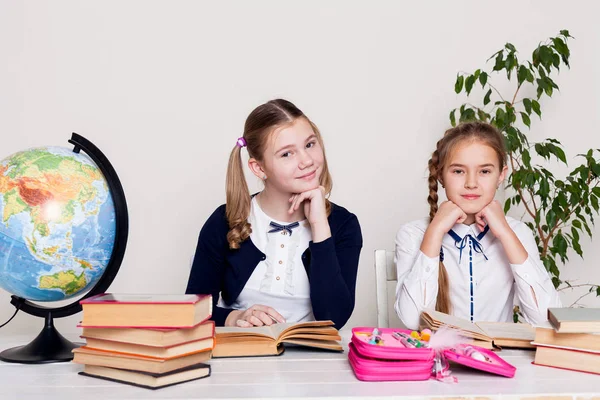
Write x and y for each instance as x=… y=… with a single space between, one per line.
x=261 y=122
x=468 y=131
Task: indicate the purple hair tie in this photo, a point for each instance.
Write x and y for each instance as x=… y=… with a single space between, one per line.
x=241 y=142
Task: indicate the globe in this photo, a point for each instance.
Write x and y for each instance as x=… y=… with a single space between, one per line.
x=63 y=232
x=57 y=223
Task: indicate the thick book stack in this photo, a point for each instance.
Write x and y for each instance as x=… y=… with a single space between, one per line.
x=571 y=341
x=151 y=341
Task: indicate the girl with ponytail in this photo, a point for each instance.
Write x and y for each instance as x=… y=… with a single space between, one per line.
x=468 y=259
x=286 y=254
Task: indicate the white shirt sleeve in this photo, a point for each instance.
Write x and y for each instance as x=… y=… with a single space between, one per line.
x=417 y=276
x=534 y=287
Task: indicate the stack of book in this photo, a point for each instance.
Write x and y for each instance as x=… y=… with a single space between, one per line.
x=151 y=341
x=572 y=341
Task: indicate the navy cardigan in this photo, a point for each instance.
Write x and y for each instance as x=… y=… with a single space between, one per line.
x=331 y=266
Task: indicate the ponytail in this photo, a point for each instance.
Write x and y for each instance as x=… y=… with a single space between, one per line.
x=238 y=200
x=325 y=179
x=442 y=303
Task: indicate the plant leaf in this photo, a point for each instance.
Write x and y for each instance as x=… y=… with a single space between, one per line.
x=565 y=33
x=558 y=152
x=526 y=119
x=458 y=86
x=527 y=104
x=483 y=78
x=469 y=82
x=535 y=105
x=486 y=99
x=506 y=205
x=526 y=158
x=522 y=74
x=499 y=62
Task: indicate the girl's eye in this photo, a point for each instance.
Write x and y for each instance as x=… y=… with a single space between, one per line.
x=486 y=171
x=457 y=171
x=286 y=154
x=310 y=144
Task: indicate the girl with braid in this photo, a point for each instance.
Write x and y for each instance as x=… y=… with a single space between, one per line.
x=286 y=254
x=468 y=259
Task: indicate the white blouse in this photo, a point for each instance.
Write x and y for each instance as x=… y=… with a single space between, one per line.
x=279 y=281
x=480 y=289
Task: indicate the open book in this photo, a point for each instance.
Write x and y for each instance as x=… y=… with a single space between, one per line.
x=499 y=334
x=268 y=340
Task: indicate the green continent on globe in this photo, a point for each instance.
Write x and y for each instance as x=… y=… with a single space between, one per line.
x=67 y=281
x=36 y=178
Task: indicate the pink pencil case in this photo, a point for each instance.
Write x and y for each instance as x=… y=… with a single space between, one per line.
x=493 y=364
x=391 y=360
x=390 y=349
x=372 y=369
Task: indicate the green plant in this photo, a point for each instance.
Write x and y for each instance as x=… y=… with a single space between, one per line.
x=558 y=211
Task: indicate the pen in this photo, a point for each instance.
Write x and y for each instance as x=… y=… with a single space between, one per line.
x=403 y=340
x=414 y=342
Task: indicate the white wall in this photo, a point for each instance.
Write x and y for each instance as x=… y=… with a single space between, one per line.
x=164 y=87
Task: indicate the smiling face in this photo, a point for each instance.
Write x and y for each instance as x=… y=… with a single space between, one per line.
x=293 y=159
x=472 y=175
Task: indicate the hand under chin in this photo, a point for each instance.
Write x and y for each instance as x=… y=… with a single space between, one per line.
x=471 y=209
x=307 y=186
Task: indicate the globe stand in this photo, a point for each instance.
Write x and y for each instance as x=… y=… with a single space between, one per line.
x=48 y=347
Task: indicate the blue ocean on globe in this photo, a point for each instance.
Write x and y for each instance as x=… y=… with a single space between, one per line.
x=57 y=224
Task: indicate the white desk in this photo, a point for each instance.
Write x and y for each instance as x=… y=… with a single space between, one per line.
x=297 y=373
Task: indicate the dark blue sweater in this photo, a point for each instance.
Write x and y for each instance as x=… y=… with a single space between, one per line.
x=331 y=266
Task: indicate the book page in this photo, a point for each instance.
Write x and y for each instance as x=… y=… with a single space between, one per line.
x=288 y=328
x=234 y=331
x=275 y=331
x=436 y=319
x=508 y=330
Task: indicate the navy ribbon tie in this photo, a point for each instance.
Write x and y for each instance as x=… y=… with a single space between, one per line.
x=278 y=227
x=461 y=243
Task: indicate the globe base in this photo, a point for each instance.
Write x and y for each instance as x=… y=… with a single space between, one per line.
x=48 y=347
